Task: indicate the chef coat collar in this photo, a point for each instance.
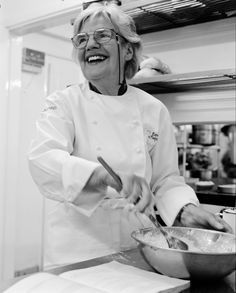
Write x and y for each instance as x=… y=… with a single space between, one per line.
x=122 y=89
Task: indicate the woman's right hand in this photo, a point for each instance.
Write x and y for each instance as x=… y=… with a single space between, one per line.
x=100 y=178
x=134 y=188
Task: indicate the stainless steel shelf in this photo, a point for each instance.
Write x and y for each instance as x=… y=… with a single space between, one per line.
x=198 y=146
x=213 y=79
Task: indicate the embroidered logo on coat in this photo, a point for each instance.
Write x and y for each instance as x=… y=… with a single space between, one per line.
x=151 y=138
x=53 y=108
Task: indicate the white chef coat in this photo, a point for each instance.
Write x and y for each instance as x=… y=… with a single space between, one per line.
x=133 y=133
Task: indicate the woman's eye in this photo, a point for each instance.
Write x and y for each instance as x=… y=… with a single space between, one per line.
x=103 y=35
x=81 y=40
x=104 y=38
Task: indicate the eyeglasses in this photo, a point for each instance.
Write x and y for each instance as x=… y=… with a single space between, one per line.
x=101 y=36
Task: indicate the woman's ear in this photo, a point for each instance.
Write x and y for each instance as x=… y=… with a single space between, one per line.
x=128 y=52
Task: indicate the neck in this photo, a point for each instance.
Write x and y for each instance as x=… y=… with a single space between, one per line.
x=109 y=90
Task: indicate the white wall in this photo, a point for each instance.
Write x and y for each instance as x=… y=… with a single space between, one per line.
x=207 y=46
x=199 y=47
x=201 y=106
x=59 y=70
x=14 y=12
x=4 y=49
x=28 y=215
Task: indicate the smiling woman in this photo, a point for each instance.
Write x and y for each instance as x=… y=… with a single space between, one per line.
x=103 y=116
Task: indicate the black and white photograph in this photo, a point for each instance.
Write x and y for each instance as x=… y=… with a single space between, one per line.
x=117 y=146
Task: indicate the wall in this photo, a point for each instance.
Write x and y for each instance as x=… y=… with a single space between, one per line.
x=199 y=47
x=59 y=71
x=208 y=46
x=4 y=49
x=8 y=154
x=14 y=12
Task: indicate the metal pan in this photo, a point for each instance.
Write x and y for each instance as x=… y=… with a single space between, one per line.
x=227 y=188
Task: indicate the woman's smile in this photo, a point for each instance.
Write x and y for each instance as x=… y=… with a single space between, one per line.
x=95 y=59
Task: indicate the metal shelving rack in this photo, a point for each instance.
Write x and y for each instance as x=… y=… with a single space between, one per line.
x=152 y=15
x=181 y=82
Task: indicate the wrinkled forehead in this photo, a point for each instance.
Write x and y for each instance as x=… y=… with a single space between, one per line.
x=99 y=19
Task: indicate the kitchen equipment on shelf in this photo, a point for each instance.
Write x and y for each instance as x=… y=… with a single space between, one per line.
x=227 y=188
x=204 y=134
x=229 y=215
x=211 y=253
x=229 y=131
x=204 y=185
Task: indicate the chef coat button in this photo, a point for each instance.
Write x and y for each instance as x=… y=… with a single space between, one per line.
x=135 y=122
x=138 y=150
x=98 y=148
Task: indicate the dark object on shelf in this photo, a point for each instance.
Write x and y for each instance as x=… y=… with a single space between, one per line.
x=227 y=128
x=229 y=158
x=204 y=185
x=199 y=161
x=204 y=175
x=216 y=198
x=203 y=134
x=228 y=166
x=168 y=14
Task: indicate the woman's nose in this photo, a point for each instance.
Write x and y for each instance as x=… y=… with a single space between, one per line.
x=92 y=43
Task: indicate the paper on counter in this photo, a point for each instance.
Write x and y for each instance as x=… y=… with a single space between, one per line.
x=49 y=283
x=111 y=277
x=115 y=277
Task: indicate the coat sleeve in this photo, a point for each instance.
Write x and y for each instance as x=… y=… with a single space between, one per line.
x=58 y=174
x=170 y=190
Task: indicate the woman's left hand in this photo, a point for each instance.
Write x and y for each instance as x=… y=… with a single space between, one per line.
x=196 y=217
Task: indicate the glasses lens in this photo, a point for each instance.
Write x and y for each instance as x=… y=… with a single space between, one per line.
x=103 y=35
x=80 y=40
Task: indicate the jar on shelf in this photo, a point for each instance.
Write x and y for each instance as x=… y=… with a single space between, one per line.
x=203 y=134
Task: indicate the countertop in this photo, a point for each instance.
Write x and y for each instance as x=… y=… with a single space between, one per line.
x=216 y=198
x=133 y=257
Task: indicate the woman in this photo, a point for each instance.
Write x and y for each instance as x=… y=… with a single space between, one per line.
x=129 y=128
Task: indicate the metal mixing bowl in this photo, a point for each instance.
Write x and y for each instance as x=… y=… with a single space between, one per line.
x=214 y=256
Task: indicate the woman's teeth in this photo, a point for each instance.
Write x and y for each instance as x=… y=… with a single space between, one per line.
x=96 y=58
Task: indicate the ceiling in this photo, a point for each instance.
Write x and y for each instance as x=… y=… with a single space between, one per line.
x=62 y=31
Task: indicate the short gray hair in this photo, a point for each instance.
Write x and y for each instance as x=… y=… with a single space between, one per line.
x=124 y=26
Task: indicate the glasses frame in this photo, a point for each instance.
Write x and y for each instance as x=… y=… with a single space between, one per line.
x=114 y=35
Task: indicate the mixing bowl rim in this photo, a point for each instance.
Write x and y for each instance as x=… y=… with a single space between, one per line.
x=179 y=250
